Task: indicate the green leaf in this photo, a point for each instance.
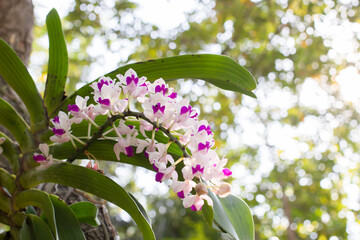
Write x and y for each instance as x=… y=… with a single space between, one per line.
x=40 y=199
x=219 y=70
x=92 y=182
x=35 y=228
x=208 y=213
x=7 y=180
x=4 y=203
x=10 y=152
x=4 y=218
x=141 y=208
x=16 y=75
x=67 y=225
x=58 y=62
x=30 y=210
x=232 y=215
x=11 y=120
x=86 y=212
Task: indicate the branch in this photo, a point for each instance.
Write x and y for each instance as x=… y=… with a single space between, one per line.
x=127 y=113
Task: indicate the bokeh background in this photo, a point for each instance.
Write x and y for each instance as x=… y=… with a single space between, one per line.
x=293 y=151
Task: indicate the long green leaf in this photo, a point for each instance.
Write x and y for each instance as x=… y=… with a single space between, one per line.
x=92 y=182
x=35 y=228
x=58 y=62
x=241 y=218
x=11 y=120
x=232 y=215
x=141 y=208
x=219 y=70
x=7 y=180
x=16 y=75
x=67 y=225
x=10 y=152
x=86 y=212
x=40 y=199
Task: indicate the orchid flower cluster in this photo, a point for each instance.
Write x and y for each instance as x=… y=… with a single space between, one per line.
x=162 y=111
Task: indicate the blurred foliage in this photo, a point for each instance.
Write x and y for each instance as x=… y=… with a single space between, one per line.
x=292 y=197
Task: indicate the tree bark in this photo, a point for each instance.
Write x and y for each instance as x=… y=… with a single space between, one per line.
x=16 y=28
x=16 y=24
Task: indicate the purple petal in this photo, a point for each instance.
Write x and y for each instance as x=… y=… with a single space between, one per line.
x=158 y=107
x=101 y=83
x=181 y=194
x=161 y=88
x=201 y=146
x=162 y=109
x=173 y=95
x=132 y=79
x=155 y=168
x=56 y=119
x=39 y=158
x=206 y=128
x=159 y=176
x=194 y=208
x=128 y=80
x=104 y=101
x=73 y=108
x=129 y=151
x=184 y=110
x=197 y=168
x=227 y=172
x=195 y=115
x=58 y=131
x=155 y=109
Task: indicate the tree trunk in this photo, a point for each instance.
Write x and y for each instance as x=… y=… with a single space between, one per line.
x=16 y=28
x=16 y=24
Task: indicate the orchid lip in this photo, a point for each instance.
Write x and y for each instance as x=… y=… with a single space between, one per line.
x=158 y=107
x=132 y=79
x=160 y=89
x=202 y=146
x=73 y=108
x=181 y=194
x=227 y=172
x=39 y=158
x=159 y=176
x=58 y=131
x=56 y=119
x=197 y=168
x=129 y=151
x=101 y=83
x=105 y=101
x=206 y=128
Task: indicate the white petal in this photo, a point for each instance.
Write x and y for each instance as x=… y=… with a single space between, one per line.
x=208 y=199
x=44 y=148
